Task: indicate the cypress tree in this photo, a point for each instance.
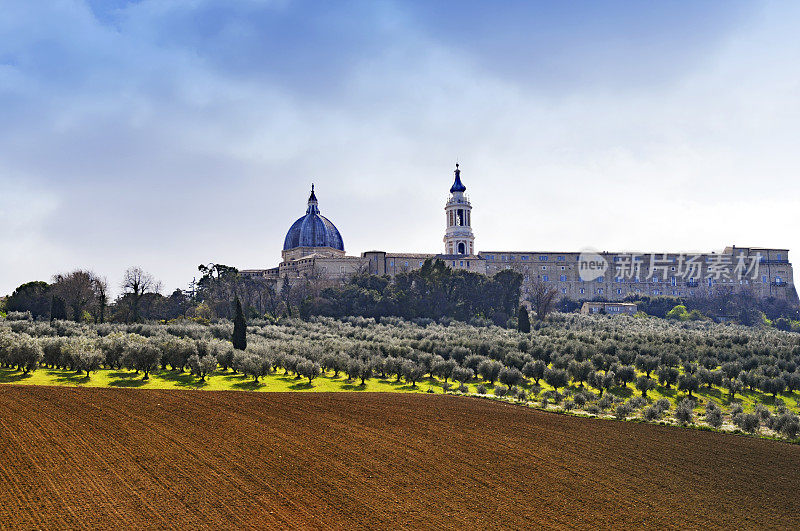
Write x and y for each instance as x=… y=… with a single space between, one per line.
x=523 y=322
x=239 y=328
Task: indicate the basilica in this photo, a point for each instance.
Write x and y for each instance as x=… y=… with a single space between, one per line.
x=314 y=250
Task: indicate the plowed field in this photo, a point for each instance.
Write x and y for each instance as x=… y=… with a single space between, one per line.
x=73 y=458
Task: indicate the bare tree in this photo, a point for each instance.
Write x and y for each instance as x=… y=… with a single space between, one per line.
x=136 y=283
x=542 y=298
x=78 y=290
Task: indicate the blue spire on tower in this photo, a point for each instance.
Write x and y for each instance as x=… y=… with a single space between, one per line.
x=457 y=186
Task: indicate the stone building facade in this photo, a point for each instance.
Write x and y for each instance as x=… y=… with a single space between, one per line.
x=314 y=250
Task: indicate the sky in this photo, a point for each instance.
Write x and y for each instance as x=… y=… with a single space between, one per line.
x=168 y=134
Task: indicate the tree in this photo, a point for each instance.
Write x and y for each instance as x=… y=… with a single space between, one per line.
x=684 y=411
x=444 y=368
x=510 y=376
x=580 y=370
x=490 y=370
x=100 y=286
x=136 y=283
x=688 y=383
x=625 y=374
x=308 y=369
x=240 y=329
x=542 y=298
x=58 y=308
x=208 y=364
x=713 y=415
x=31 y=297
x=646 y=364
x=535 y=370
x=667 y=376
x=556 y=378
x=523 y=321
x=644 y=384
x=84 y=355
x=143 y=356
x=26 y=353
x=602 y=381
x=413 y=372
x=733 y=386
x=463 y=374
x=202 y=367
x=78 y=290
x=773 y=386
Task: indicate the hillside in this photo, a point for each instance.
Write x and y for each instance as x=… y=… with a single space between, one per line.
x=90 y=457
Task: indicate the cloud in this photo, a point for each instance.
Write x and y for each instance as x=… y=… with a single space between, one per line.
x=168 y=134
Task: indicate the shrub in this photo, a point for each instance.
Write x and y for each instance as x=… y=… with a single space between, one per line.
x=481 y=389
x=594 y=409
x=463 y=389
x=579 y=399
x=662 y=404
x=714 y=417
x=568 y=405
x=622 y=411
x=605 y=402
x=636 y=402
x=651 y=413
x=748 y=422
x=683 y=411
x=500 y=390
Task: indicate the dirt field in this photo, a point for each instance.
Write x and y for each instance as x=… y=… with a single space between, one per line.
x=72 y=458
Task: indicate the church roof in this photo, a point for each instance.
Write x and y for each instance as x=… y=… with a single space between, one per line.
x=457 y=185
x=313 y=230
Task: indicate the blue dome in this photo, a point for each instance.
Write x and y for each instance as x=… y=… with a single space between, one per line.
x=313 y=230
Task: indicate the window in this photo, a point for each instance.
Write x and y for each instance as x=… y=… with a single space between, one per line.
x=461 y=263
x=544 y=268
x=560 y=258
x=406 y=263
x=524 y=258
x=391 y=263
x=563 y=290
x=545 y=278
x=764 y=279
x=563 y=278
x=563 y=268
x=778 y=256
x=656 y=280
x=582 y=290
x=600 y=280
x=619 y=292
x=543 y=258
x=600 y=291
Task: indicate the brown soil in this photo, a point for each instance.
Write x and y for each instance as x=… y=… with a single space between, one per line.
x=74 y=458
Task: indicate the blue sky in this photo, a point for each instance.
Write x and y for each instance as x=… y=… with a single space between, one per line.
x=173 y=133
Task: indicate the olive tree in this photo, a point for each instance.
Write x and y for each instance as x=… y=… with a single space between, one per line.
x=556 y=378
x=645 y=384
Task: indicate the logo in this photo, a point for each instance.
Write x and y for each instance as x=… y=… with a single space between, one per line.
x=591 y=265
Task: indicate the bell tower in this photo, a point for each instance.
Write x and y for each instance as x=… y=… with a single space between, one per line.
x=458 y=237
